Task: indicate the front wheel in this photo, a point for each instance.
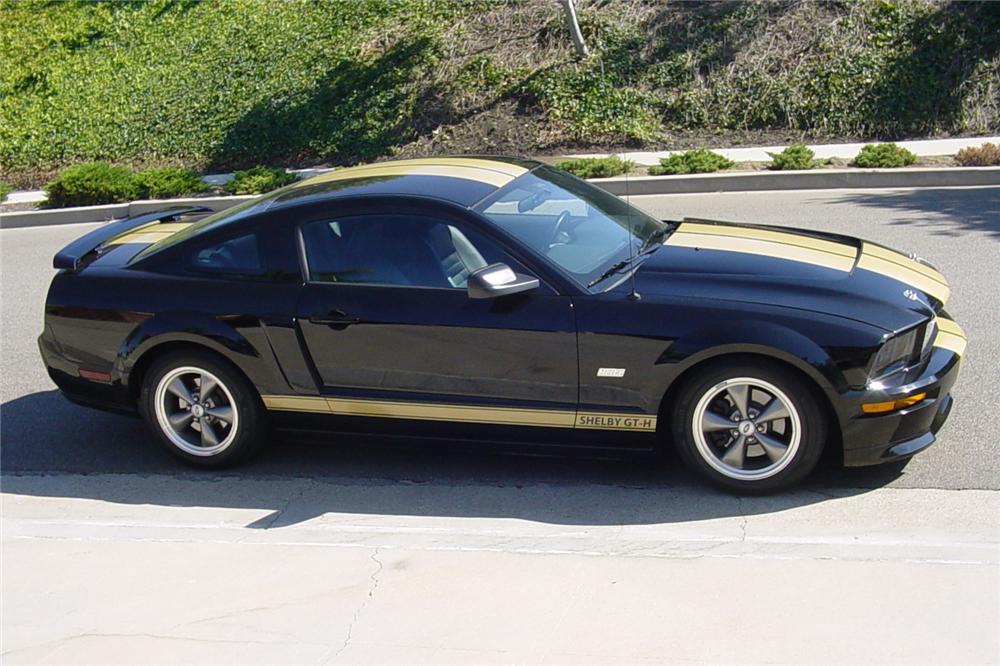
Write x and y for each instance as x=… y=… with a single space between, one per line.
x=202 y=410
x=749 y=426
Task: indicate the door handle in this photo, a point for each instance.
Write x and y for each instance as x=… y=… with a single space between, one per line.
x=335 y=316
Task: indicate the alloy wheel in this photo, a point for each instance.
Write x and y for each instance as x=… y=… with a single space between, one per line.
x=746 y=428
x=196 y=411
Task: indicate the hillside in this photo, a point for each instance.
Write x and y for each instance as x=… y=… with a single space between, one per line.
x=230 y=83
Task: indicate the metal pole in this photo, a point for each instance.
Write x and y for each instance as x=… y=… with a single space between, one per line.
x=574 y=27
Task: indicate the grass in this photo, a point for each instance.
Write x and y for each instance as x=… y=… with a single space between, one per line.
x=227 y=84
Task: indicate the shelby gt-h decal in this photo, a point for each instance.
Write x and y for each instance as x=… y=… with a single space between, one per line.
x=487 y=299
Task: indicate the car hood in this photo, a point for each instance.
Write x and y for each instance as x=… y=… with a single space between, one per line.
x=797 y=268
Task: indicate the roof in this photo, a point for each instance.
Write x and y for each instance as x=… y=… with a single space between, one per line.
x=461 y=180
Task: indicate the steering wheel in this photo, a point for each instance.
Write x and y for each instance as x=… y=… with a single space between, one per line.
x=561 y=221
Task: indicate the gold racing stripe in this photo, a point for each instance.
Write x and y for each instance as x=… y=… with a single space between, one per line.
x=422 y=411
x=149 y=233
x=773 y=235
x=805 y=253
x=935 y=285
x=479 y=174
x=512 y=170
x=950 y=336
x=904 y=261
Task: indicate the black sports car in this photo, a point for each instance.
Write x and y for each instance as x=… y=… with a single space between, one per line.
x=486 y=299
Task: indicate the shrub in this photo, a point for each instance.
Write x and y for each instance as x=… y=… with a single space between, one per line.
x=169 y=182
x=692 y=161
x=258 y=180
x=793 y=158
x=987 y=154
x=884 y=156
x=596 y=167
x=5 y=189
x=91 y=185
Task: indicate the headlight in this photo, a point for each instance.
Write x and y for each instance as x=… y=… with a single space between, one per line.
x=895 y=353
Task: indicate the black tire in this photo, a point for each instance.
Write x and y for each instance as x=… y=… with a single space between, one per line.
x=706 y=390
x=239 y=439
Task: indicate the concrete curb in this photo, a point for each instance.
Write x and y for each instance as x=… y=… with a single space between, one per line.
x=751 y=181
x=38 y=218
x=820 y=179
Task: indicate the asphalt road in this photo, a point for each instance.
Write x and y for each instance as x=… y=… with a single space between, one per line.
x=956 y=229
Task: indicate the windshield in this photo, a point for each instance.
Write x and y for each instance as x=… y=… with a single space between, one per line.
x=579 y=227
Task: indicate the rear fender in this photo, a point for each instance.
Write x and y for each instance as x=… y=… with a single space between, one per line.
x=254 y=359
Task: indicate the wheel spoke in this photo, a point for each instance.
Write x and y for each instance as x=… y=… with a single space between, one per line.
x=740 y=394
x=180 y=420
x=774 y=449
x=775 y=409
x=208 y=437
x=223 y=413
x=736 y=454
x=206 y=386
x=178 y=388
x=712 y=422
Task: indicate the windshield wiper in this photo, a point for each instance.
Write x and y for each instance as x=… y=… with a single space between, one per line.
x=611 y=271
x=655 y=238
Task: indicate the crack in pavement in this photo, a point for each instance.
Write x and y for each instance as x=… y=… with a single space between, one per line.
x=357 y=613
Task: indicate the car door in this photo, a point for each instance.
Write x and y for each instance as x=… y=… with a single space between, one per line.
x=392 y=332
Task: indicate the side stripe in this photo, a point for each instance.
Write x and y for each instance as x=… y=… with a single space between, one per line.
x=422 y=411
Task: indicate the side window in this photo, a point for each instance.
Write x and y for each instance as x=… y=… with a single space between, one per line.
x=399 y=250
x=236 y=256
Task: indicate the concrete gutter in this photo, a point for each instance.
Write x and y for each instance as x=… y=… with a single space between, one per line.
x=747 y=181
x=819 y=179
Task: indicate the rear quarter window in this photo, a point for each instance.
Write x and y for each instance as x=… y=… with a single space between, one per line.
x=234 y=256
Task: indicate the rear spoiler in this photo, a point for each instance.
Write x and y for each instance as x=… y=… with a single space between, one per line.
x=71 y=256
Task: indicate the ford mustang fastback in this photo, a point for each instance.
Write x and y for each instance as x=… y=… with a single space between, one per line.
x=503 y=300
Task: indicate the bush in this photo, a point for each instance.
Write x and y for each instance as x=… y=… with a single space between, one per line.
x=91 y=185
x=692 y=161
x=987 y=154
x=258 y=180
x=794 y=158
x=596 y=167
x=169 y=182
x=5 y=189
x=884 y=156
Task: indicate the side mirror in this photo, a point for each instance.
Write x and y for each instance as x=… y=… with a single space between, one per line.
x=498 y=280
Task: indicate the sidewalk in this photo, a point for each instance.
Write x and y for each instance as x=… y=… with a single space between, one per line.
x=845 y=150
x=103 y=568
x=823 y=151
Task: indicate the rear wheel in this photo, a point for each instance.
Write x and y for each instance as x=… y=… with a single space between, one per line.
x=202 y=410
x=749 y=426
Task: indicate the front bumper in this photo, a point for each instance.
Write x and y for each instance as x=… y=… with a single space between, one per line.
x=870 y=439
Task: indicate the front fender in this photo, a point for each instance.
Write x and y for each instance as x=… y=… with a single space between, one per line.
x=762 y=337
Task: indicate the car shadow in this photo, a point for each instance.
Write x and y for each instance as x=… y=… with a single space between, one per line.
x=46 y=436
